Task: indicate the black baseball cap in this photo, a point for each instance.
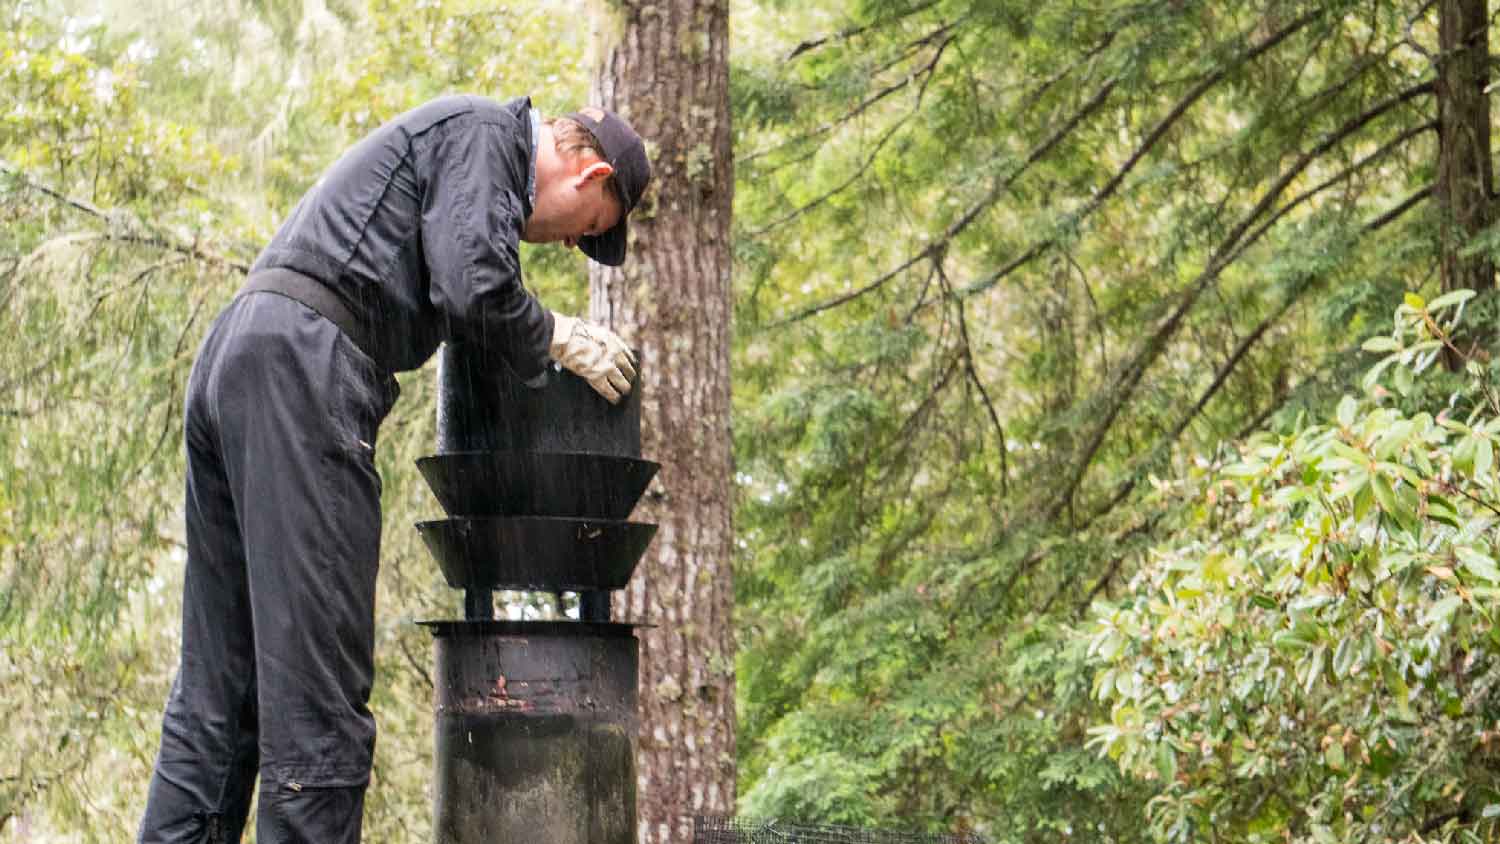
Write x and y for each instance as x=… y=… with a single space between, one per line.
x=625 y=152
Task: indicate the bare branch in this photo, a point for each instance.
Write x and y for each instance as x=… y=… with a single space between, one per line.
x=1411 y=39
x=865 y=104
x=973 y=375
x=1244 y=345
x=1131 y=377
x=1151 y=140
x=1128 y=486
x=926 y=74
x=112 y=217
x=962 y=223
x=853 y=31
x=1401 y=208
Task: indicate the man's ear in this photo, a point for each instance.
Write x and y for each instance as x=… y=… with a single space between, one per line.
x=595 y=172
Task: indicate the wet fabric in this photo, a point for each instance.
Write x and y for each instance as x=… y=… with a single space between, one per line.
x=417 y=228
x=283 y=545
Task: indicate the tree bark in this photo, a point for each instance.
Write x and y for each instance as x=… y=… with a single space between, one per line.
x=1465 y=172
x=665 y=69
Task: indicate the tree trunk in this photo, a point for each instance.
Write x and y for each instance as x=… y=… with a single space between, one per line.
x=1465 y=173
x=665 y=69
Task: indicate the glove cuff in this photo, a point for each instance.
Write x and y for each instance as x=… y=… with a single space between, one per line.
x=562 y=331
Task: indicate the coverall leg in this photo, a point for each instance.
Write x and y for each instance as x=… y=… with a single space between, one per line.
x=283 y=546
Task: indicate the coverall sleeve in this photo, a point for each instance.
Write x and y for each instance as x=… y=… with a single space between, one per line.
x=472 y=216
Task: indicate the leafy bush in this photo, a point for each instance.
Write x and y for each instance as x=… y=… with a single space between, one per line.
x=1313 y=657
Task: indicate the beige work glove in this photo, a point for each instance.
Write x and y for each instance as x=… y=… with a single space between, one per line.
x=595 y=354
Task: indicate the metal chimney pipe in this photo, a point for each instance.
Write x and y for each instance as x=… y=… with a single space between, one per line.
x=536 y=733
x=535 y=723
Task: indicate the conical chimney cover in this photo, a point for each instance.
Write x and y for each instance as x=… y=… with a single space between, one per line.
x=515 y=483
x=536 y=553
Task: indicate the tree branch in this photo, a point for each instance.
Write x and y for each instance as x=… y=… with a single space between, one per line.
x=1127 y=486
x=1113 y=569
x=1141 y=150
x=865 y=104
x=853 y=31
x=969 y=216
x=112 y=219
x=1401 y=208
x=973 y=375
x=1131 y=377
x=1411 y=40
x=1346 y=173
x=926 y=74
x=135 y=280
x=1454 y=733
x=1243 y=347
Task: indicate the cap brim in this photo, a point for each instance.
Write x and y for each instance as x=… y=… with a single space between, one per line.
x=608 y=248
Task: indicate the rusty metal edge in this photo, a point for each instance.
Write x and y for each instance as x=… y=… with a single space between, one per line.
x=505 y=627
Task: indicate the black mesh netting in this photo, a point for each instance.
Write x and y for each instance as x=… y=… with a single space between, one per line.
x=710 y=830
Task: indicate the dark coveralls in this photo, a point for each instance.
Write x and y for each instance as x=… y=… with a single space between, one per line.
x=414 y=232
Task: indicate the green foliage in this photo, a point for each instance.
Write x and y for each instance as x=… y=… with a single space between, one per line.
x=1312 y=650
x=79 y=122
x=147 y=149
x=415 y=52
x=1000 y=265
x=98 y=340
x=1003 y=270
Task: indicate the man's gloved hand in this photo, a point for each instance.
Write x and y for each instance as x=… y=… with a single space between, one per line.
x=595 y=354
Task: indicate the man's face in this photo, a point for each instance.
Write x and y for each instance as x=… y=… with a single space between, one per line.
x=575 y=204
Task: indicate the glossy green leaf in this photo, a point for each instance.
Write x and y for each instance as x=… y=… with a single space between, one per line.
x=1479 y=564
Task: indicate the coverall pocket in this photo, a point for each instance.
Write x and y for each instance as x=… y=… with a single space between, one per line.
x=366 y=396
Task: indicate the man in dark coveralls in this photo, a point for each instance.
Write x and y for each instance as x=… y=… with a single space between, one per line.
x=408 y=240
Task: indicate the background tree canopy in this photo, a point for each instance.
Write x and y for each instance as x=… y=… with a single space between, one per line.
x=1115 y=453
